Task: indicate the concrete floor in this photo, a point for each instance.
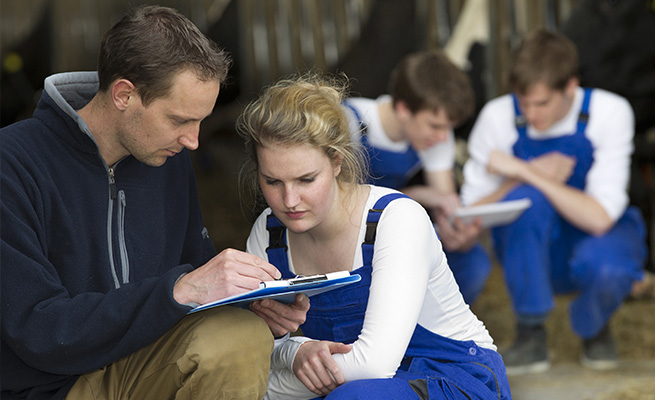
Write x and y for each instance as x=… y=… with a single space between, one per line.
x=633 y=380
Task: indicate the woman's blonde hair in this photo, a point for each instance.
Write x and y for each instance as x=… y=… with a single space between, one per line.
x=297 y=110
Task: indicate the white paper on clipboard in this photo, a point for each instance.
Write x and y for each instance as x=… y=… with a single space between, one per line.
x=285 y=291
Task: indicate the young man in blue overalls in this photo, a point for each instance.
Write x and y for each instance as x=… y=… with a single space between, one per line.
x=567 y=149
x=411 y=129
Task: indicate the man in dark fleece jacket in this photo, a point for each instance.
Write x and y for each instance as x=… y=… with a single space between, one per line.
x=103 y=248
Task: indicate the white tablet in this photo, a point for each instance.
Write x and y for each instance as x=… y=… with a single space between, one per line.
x=494 y=214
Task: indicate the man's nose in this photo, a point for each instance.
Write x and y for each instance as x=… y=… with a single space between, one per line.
x=440 y=135
x=189 y=138
x=530 y=113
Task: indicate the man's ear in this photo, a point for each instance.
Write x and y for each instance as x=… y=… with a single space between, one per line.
x=571 y=85
x=402 y=110
x=122 y=93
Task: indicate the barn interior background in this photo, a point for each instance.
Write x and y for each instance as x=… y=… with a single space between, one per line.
x=363 y=39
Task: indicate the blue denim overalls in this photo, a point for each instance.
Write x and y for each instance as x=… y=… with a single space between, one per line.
x=393 y=170
x=387 y=168
x=542 y=254
x=440 y=366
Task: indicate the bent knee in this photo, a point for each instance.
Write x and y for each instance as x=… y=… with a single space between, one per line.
x=227 y=354
x=234 y=336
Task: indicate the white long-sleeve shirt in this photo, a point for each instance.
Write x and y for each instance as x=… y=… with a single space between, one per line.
x=610 y=131
x=439 y=157
x=411 y=284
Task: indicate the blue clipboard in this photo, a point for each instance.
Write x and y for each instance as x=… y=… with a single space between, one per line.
x=285 y=291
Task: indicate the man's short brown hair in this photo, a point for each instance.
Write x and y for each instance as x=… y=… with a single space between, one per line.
x=428 y=80
x=543 y=57
x=151 y=45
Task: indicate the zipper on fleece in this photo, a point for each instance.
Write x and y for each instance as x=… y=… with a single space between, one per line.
x=125 y=262
x=112 y=184
x=120 y=195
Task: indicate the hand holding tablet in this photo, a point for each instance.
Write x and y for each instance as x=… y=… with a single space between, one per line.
x=494 y=214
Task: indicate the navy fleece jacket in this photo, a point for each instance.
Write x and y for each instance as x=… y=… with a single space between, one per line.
x=88 y=263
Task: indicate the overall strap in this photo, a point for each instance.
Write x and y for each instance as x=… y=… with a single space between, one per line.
x=519 y=118
x=583 y=118
x=362 y=126
x=277 y=246
x=372 y=219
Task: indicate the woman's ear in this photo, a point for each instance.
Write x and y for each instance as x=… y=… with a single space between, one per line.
x=336 y=165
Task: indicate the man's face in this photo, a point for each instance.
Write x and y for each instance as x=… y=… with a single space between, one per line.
x=543 y=106
x=168 y=124
x=425 y=128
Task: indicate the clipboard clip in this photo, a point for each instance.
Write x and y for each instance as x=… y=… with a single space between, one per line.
x=302 y=279
x=299 y=279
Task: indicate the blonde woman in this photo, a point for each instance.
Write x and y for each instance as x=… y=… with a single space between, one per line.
x=404 y=330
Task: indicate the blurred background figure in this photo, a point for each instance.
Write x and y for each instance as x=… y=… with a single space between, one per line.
x=411 y=129
x=568 y=150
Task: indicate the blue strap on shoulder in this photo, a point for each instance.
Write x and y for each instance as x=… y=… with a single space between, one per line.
x=277 y=246
x=362 y=126
x=372 y=220
x=519 y=118
x=583 y=118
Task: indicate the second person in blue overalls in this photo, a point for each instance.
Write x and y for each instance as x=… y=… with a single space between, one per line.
x=410 y=130
x=568 y=150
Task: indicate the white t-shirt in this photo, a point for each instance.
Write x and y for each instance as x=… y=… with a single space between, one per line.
x=610 y=131
x=440 y=157
x=411 y=283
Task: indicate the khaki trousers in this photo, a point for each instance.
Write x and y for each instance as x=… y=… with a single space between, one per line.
x=220 y=353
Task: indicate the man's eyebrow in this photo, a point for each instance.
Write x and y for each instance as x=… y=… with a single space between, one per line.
x=179 y=118
x=188 y=119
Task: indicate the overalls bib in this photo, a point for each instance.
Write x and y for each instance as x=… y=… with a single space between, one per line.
x=388 y=168
x=393 y=170
x=439 y=365
x=543 y=254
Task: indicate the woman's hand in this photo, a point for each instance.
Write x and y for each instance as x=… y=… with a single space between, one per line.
x=316 y=368
x=282 y=318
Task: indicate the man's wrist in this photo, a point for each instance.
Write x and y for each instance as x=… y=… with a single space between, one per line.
x=179 y=295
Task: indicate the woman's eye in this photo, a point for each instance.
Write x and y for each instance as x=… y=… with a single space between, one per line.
x=307 y=180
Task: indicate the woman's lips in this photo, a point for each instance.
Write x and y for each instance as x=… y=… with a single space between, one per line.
x=294 y=214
